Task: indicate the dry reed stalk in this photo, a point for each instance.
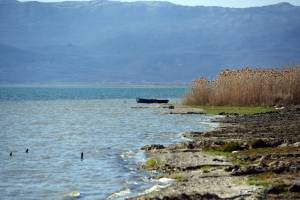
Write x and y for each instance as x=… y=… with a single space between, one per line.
x=248 y=87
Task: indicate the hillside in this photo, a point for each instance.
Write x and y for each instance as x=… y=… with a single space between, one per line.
x=110 y=41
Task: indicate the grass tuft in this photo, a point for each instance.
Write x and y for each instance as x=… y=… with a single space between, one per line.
x=242 y=110
x=179 y=178
x=266 y=179
x=151 y=164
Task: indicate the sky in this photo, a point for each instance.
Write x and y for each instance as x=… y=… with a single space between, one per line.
x=223 y=3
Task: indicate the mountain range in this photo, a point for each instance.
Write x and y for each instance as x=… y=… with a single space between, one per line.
x=140 y=42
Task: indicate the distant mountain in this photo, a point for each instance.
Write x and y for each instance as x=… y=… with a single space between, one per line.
x=110 y=41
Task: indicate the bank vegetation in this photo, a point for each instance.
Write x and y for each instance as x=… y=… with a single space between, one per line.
x=248 y=87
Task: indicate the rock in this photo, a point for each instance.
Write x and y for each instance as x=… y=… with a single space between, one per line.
x=190 y=145
x=294 y=188
x=217 y=160
x=294 y=168
x=252 y=158
x=166 y=180
x=246 y=158
x=231 y=168
x=296 y=144
x=281 y=167
x=262 y=163
x=185 y=196
x=283 y=145
x=281 y=164
x=192 y=135
x=228 y=114
x=248 y=170
x=258 y=144
x=263 y=159
x=273 y=164
x=195 y=113
x=152 y=147
x=277 y=189
x=279 y=108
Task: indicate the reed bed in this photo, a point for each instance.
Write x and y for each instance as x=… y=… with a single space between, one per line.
x=248 y=87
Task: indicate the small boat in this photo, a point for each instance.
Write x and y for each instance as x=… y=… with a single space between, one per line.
x=141 y=100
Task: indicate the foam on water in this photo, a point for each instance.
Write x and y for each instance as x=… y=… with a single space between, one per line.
x=120 y=194
x=155 y=188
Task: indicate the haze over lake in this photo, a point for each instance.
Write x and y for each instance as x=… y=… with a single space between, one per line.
x=140 y=42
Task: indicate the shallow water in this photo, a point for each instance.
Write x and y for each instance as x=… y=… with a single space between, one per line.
x=57 y=128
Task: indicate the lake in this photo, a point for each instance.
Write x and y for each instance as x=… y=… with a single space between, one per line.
x=57 y=124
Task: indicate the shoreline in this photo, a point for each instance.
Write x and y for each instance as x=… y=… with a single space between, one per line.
x=204 y=169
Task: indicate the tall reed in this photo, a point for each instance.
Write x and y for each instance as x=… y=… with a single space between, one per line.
x=248 y=87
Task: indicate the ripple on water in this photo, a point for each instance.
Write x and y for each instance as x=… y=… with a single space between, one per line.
x=109 y=133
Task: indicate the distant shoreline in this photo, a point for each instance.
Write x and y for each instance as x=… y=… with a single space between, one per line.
x=99 y=85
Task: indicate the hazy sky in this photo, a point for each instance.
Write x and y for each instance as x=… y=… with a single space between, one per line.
x=225 y=3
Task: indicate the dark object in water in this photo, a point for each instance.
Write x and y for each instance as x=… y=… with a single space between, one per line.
x=171 y=107
x=10 y=154
x=27 y=150
x=141 y=100
x=81 y=155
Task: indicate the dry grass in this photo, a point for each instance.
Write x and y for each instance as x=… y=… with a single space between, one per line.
x=248 y=87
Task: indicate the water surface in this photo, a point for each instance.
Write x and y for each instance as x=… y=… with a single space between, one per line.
x=57 y=124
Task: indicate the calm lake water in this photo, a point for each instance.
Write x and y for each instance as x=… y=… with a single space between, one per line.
x=57 y=124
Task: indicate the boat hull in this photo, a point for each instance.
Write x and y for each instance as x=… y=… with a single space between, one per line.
x=141 y=100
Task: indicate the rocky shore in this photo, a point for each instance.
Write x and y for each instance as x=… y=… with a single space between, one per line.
x=248 y=157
